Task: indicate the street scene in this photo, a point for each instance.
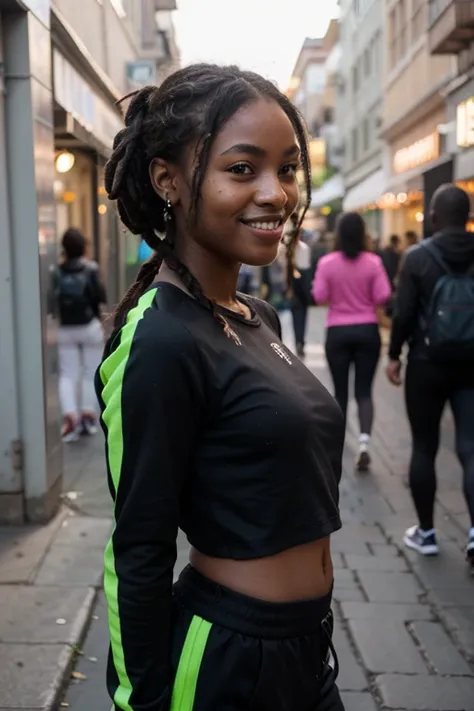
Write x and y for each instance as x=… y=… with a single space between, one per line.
x=345 y=213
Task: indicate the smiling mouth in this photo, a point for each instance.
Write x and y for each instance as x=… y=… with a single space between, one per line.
x=269 y=225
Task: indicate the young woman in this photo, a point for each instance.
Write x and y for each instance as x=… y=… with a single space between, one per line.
x=77 y=295
x=353 y=282
x=211 y=424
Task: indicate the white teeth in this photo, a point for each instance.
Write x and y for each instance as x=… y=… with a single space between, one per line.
x=264 y=225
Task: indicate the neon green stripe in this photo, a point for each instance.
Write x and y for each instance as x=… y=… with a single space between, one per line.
x=184 y=690
x=111 y=372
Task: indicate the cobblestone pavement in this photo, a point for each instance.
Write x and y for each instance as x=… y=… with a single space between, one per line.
x=404 y=625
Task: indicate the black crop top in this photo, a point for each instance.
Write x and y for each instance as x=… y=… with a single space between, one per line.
x=239 y=446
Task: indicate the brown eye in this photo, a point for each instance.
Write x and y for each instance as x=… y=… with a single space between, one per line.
x=290 y=169
x=240 y=169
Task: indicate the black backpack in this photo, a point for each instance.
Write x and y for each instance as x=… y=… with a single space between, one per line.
x=73 y=296
x=449 y=333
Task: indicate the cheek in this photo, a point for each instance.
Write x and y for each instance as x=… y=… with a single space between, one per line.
x=221 y=198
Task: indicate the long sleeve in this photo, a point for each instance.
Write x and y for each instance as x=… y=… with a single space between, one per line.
x=381 y=287
x=150 y=388
x=405 y=309
x=320 y=288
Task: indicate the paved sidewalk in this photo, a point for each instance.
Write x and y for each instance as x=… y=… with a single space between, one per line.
x=405 y=625
x=49 y=577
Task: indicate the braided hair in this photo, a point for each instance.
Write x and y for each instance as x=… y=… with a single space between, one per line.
x=190 y=106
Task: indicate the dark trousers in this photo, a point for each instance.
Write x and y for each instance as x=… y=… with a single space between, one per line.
x=359 y=346
x=428 y=387
x=299 y=312
x=236 y=653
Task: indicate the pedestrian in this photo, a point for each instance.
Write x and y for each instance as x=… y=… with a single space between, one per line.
x=411 y=238
x=391 y=258
x=300 y=284
x=77 y=294
x=353 y=282
x=440 y=366
x=245 y=280
x=211 y=424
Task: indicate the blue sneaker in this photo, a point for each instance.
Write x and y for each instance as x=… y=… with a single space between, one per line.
x=419 y=541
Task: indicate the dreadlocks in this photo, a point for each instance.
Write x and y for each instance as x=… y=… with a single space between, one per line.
x=190 y=107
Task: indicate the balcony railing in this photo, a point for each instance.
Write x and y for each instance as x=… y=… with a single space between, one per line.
x=451 y=25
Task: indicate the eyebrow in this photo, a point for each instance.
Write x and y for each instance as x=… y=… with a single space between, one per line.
x=257 y=151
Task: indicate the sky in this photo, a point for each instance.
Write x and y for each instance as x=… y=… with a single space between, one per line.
x=262 y=35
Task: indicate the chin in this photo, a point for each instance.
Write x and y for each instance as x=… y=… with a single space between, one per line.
x=261 y=257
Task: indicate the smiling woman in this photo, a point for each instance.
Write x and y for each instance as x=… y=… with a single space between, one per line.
x=208 y=417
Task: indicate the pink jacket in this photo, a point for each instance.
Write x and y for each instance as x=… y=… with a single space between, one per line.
x=352 y=288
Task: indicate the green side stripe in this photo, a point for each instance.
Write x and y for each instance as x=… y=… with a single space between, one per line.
x=184 y=690
x=111 y=372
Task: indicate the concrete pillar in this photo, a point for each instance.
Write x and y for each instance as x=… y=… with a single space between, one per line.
x=31 y=455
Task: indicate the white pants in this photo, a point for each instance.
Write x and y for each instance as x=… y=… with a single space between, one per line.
x=80 y=353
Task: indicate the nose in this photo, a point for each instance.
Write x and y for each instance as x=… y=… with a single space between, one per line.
x=270 y=191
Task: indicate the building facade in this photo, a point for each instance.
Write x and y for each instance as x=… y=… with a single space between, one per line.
x=451 y=32
x=417 y=157
x=360 y=106
x=64 y=65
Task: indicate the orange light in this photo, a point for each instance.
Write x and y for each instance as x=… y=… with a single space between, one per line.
x=423 y=151
x=69 y=196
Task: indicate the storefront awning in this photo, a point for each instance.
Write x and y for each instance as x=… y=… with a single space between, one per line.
x=367 y=192
x=331 y=190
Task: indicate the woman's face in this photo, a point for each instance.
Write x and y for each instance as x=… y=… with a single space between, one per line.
x=249 y=189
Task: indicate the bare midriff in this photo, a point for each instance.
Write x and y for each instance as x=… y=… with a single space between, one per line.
x=301 y=573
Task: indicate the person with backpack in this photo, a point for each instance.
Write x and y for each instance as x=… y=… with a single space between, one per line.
x=77 y=296
x=434 y=315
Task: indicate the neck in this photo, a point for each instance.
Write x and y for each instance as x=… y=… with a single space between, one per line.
x=218 y=279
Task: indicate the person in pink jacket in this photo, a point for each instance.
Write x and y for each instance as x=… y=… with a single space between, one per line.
x=352 y=282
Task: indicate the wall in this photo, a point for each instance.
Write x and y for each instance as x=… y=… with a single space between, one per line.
x=106 y=37
x=418 y=77
x=362 y=80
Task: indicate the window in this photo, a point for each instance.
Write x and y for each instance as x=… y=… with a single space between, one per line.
x=315 y=78
x=365 y=135
x=355 y=145
x=398 y=32
x=355 y=78
x=419 y=18
x=403 y=28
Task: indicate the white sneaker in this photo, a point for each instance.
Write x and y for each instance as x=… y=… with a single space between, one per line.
x=89 y=425
x=69 y=431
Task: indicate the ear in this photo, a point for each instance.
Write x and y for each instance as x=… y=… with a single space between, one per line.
x=163 y=179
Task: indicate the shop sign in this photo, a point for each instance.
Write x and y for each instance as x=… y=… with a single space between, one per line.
x=75 y=95
x=419 y=153
x=465 y=123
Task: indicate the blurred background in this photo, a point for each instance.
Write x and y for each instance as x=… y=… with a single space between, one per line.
x=386 y=88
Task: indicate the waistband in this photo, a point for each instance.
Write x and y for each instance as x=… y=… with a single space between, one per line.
x=250 y=616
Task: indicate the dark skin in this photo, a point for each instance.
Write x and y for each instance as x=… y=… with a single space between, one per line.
x=250 y=180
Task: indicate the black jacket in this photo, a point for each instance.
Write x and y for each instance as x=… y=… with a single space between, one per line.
x=418 y=277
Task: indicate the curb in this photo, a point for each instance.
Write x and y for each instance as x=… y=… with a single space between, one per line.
x=68 y=655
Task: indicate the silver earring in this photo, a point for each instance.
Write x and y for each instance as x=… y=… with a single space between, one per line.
x=167 y=212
